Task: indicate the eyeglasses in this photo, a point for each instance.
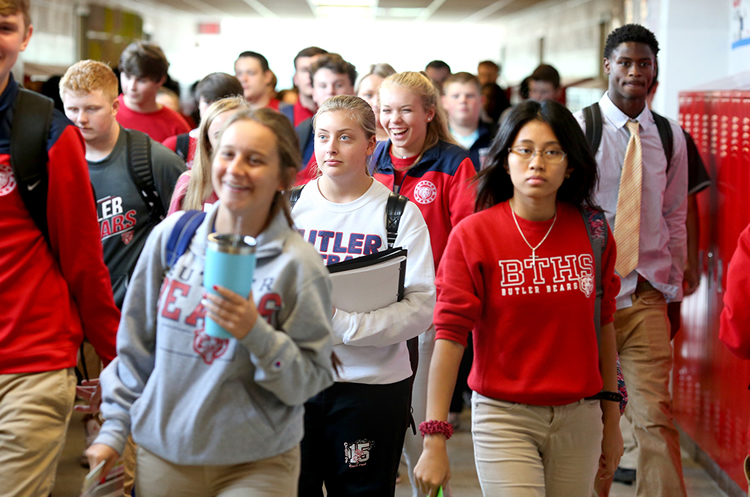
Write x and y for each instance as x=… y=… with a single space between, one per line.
x=549 y=156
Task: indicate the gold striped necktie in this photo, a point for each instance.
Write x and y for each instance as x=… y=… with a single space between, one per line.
x=628 y=214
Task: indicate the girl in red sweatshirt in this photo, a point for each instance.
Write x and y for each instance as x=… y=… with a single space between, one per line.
x=421 y=161
x=519 y=274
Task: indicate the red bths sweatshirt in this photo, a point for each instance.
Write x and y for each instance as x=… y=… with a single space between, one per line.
x=51 y=297
x=440 y=185
x=533 y=320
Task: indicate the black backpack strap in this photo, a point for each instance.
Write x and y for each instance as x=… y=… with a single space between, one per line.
x=294 y=195
x=596 y=227
x=32 y=118
x=592 y=115
x=304 y=133
x=182 y=234
x=183 y=146
x=665 y=134
x=394 y=208
x=141 y=172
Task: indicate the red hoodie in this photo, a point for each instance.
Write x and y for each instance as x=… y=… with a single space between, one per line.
x=52 y=296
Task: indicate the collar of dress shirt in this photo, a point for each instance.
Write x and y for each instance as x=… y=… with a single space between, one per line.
x=619 y=119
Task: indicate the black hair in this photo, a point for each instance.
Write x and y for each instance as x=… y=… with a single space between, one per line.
x=255 y=55
x=494 y=184
x=546 y=72
x=438 y=64
x=630 y=33
x=523 y=88
x=216 y=86
x=308 y=52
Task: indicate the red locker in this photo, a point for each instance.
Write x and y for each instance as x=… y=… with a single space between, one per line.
x=711 y=397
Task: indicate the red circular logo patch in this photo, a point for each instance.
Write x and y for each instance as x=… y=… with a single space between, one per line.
x=425 y=192
x=7 y=180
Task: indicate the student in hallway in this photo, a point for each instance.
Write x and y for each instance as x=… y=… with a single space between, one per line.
x=54 y=286
x=462 y=100
x=422 y=162
x=304 y=107
x=354 y=430
x=223 y=416
x=532 y=317
x=253 y=72
x=644 y=195
x=143 y=70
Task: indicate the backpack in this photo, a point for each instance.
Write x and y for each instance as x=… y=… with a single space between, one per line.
x=592 y=116
x=394 y=209
x=30 y=128
x=182 y=148
x=596 y=227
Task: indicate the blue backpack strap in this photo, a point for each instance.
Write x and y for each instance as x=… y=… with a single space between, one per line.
x=375 y=157
x=182 y=234
x=288 y=111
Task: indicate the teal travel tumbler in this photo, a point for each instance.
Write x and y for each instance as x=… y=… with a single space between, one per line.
x=230 y=262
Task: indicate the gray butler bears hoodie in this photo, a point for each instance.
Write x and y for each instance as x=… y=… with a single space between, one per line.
x=196 y=400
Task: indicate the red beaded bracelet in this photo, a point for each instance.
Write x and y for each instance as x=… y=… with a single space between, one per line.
x=434 y=427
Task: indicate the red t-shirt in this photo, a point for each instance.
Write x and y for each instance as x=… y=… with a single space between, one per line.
x=301 y=113
x=273 y=104
x=532 y=320
x=171 y=144
x=180 y=191
x=159 y=125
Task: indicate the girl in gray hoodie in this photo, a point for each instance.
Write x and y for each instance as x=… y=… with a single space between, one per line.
x=212 y=416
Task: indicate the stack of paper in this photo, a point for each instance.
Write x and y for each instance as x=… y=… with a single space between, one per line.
x=369 y=282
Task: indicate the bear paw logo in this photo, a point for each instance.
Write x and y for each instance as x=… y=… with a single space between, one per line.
x=127 y=237
x=208 y=347
x=7 y=180
x=425 y=192
x=586 y=284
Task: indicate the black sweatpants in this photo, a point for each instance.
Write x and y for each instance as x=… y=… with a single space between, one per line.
x=354 y=434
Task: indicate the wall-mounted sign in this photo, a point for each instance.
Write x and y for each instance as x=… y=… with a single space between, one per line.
x=740 y=23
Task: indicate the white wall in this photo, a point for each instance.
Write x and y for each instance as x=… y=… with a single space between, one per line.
x=404 y=45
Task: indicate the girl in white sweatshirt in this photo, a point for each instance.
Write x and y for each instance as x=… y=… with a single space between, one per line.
x=354 y=430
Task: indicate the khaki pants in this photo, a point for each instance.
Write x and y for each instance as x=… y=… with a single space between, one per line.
x=35 y=409
x=643 y=342
x=276 y=476
x=536 y=451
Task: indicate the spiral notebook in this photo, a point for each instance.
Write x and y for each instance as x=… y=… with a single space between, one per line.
x=369 y=282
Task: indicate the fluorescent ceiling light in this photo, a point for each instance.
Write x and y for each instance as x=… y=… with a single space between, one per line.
x=329 y=11
x=344 y=3
x=400 y=12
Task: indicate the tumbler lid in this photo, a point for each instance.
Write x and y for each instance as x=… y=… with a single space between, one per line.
x=231 y=244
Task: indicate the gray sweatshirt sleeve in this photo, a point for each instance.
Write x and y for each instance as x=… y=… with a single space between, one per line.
x=124 y=379
x=294 y=363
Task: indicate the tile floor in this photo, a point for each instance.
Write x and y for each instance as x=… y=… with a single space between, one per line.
x=464 y=480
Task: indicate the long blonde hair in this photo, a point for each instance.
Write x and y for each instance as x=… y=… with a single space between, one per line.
x=420 y=84
x=199 y=187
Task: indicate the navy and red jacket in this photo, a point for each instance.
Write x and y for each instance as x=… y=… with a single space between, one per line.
x=440 y=185
x=51 y=295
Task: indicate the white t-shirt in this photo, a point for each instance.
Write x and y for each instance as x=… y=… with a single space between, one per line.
x=372 y=345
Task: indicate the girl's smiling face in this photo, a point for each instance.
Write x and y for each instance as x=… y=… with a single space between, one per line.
x=404 y=118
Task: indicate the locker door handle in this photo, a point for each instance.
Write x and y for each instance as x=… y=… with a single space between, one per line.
x=710 y=268
x=719 y=275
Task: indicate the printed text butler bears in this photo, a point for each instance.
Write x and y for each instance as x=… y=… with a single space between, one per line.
x=540 y=275
x=335 y=247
